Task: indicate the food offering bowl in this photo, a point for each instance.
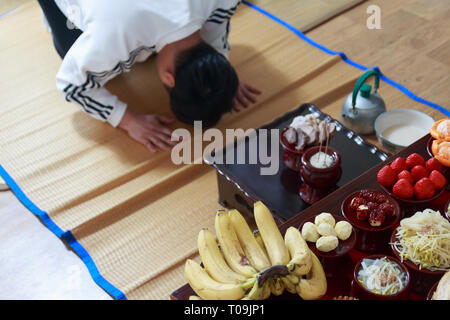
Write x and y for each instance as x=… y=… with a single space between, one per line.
x=359 y=291
x=337 y=262
x=413 y=205
x=421 y=279
x=319 y=182
x=291 y=156
x=371 y=239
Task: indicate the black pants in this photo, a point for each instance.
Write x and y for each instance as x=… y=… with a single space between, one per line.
x=63 y=36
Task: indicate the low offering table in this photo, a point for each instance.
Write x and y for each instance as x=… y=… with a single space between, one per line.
x=340 y=283
x=240 y=185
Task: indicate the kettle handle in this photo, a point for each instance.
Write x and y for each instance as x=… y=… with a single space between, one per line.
x=361 y=81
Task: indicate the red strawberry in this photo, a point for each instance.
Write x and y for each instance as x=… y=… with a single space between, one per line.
x=437 y=179
x=433 y=164
x=424 y=188
x=413 y=160
x=398 y=165
x=386 y=176
x=419 y=172
x=403 y=189
x=405 y=174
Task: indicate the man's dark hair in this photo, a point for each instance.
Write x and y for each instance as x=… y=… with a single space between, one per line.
x=205 y=85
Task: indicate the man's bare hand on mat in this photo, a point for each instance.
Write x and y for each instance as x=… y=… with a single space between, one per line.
x=148 y=129
x=246 y=95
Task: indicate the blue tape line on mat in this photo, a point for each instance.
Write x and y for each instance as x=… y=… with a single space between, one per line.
x=347 y=60
x=4 y=14
x=67 y=235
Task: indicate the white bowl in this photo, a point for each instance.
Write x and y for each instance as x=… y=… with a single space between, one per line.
x=398 y=128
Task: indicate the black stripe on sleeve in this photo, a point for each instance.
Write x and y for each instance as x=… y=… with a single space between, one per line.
x=94 y=80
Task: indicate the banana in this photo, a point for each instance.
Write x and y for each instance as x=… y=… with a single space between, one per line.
x=273 y=241
x=252 y=250
x=260 y=241
x=207 y=288
x=276 y=286
x=315 y=284
x=213 y=260
x=289 y=285
x=231 y=248
x=256 y=293
x=292 y=278
x=265 y=294
x=301 y=262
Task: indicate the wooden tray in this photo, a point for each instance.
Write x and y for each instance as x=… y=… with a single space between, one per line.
x=332 y=204
x=240 y=185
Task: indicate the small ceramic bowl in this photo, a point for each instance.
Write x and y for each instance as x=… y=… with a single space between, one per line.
x=371 y=239
x=291 y=156
x=421 y=279
x=398 y=122
x=361 y=292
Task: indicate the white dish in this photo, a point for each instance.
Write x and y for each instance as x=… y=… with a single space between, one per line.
x=398 y=128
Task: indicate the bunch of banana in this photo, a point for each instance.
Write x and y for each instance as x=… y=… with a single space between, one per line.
x=253 y=265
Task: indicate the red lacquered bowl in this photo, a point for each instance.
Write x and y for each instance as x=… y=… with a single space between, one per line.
x=371 y=239
x=291 y=156
x=342 y=249
x=362 y=293
x=414 y=201
x=432 y=291
x=320 y=178
x=337 y=263
x=421 y=279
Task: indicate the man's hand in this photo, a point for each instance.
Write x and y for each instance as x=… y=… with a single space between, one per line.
x=245 y=96
x=148 y=129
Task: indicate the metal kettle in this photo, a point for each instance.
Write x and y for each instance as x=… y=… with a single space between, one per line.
x=363 y=106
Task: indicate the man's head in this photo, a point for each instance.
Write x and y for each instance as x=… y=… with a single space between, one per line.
x=201 y=82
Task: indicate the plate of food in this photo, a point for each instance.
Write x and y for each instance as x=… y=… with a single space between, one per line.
x=304 y=132
x=422 y=243
x=380 y=277
x=413 y=180
x=439 y=143
x=373 y=213
x=329 y=236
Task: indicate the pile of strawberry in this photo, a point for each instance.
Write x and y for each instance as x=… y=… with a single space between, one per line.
x=413 y=177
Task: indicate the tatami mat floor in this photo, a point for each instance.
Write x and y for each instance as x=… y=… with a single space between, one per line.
x=412 y=48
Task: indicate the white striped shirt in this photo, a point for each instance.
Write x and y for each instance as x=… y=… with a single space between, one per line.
x=118 y=33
